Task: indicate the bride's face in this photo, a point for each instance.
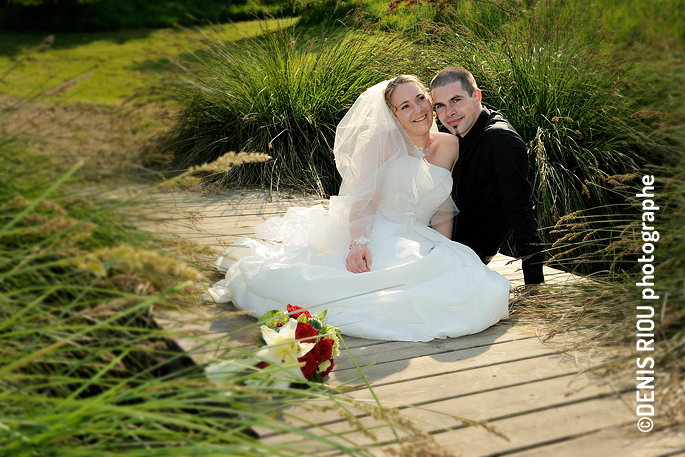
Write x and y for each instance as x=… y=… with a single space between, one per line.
x=413 y=108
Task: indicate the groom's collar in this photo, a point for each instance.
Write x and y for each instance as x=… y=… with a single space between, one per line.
x=472 y=137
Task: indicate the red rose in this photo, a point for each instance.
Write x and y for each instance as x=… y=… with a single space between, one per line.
x=328 y=370
x=310 y=365
x=292 y=308
x=305 y=333
x=323 y=349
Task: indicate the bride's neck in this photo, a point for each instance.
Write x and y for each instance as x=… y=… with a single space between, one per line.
x=422 y=142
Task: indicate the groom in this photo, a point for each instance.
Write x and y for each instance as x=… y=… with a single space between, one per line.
x=490 y=187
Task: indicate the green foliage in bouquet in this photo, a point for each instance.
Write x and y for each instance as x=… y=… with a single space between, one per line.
x=316 y=342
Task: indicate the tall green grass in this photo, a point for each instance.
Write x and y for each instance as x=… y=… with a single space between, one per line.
x=278 y=95
x=85 y=370
x=382 y=13
x=648 y=73
x=600 y=315
x=542 y=65
x=564 y=95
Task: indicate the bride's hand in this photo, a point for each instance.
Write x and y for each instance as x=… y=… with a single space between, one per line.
x=358 y=259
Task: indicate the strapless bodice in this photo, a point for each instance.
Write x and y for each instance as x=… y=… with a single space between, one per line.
x=414 y=189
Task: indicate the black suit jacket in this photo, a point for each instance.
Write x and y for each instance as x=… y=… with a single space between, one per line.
x=493 y=194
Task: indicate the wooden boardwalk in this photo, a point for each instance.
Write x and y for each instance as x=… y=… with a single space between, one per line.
x=539 y=399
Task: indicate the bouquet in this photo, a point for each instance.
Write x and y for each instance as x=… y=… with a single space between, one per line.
x=298 y=342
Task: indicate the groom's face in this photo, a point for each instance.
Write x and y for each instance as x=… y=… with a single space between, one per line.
x=456 y=109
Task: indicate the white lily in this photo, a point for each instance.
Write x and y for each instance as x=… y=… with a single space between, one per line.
x=282 y=349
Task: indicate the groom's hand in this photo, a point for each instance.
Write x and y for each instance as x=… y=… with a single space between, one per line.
x=358 y=259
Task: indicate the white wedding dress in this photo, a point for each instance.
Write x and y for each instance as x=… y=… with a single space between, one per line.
x=421 y=285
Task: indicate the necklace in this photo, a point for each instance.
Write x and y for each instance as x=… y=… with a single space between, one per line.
x=422 y=150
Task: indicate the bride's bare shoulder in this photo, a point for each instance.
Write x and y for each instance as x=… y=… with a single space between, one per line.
x=448 y=147
x=447 y=143
x=447 y=138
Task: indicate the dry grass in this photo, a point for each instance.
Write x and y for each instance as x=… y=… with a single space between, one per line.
x=110 y=140
x=593 y=322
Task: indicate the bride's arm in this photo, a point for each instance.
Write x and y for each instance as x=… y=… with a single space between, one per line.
x=445 y=227
x=446 y=155
x=359 y=258
x=367 y=192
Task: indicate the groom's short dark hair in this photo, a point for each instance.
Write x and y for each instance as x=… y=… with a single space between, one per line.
x=453 y=74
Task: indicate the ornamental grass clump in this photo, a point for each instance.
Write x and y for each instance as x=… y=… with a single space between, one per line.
x=602 y=315
x=75 y=329
x=562 y=94
x=605 y=312
x=387 y=14
x=275 y=94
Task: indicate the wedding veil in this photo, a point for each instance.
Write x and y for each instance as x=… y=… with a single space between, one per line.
x=368 y=141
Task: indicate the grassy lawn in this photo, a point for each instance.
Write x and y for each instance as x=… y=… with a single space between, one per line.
x=101 y=68
x=82 y=82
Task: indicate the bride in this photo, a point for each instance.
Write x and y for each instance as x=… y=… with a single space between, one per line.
x=380 y=259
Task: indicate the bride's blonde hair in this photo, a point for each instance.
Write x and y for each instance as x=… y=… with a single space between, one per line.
x=396 y=81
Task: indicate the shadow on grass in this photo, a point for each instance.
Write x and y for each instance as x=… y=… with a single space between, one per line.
x=160 y=65
x=13 y=44
x=67 y=16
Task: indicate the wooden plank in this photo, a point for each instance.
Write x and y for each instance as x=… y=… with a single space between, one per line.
x=459 y=360
x=233 y=213
x=468 y=382
x=510 y=268
x=216 y=217
x=389 y=351
x=447 y=392
x=506 y=409
x=624 y=441
x=248 y=202
x=210 y=329
x=540 y=427
x=216 y=321
x=502 y=374
x=213 y=225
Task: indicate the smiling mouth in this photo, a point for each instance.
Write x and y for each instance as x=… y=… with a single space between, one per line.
x=421 y=119
x=455 y=121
